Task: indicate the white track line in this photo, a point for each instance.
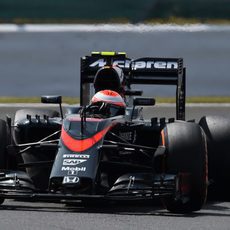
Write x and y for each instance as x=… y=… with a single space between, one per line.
x=113 y=28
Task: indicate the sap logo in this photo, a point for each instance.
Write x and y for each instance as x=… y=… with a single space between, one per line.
x=67 y=168
x=72 y=161
x=70 y=180
x=102 y=62
x=154 y=65
x=81 y=156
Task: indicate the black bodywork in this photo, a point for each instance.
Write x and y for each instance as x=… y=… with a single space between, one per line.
x=79 y=157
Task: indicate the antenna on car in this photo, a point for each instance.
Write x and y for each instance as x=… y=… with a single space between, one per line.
x=83 y=119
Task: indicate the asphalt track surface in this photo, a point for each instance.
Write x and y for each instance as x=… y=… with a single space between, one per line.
x=17 y=215
x=36 y=60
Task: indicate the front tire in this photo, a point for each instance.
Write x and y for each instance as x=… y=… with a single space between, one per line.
x=186 y=154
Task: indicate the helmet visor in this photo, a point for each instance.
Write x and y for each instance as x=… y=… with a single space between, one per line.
x=107 y=110
x=115 y=110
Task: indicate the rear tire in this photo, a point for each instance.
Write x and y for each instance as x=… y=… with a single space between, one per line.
x=4 y=135
x=186 y=153
x=4 y=138
x=217 y=130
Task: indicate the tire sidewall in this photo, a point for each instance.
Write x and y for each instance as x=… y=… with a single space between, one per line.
x=186 y=152
x=4 y=140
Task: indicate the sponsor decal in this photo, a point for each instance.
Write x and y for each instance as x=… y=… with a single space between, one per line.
x=80 y=156
x=70 y=180
x=138 y=64
x=102 y=62
x=129 y=136
x=78 y=169
x=154 y=65
x=73 y=161
x=122 y=64
x=72 y=173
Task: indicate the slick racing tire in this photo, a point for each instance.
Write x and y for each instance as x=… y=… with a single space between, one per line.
x=4 y=138
x=7 y=160
x=217 y=130
x=39 y=175
x=4 y=135
x=186 y=154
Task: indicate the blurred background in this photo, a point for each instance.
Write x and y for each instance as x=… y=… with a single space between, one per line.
x=41 y=42
x=19 y=11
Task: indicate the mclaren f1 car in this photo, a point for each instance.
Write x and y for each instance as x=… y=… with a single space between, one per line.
x=77 y=155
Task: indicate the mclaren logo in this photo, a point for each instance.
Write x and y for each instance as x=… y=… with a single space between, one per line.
x=101 y=62
x=154 y=65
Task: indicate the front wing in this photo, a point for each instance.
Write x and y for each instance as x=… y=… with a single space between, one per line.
x=17 y=185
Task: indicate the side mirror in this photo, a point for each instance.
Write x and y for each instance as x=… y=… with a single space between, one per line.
x=51 y=99
x=143 y=101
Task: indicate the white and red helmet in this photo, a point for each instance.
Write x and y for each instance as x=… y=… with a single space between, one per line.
x=114 y=103
x=108 y=96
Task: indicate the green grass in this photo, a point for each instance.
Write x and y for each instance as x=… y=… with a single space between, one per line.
x=211 y=99
x=67 y=100
x=185 y=21
x=73 y=100
x=169 y=20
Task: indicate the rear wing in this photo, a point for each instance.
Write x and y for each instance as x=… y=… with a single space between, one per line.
x=91 y=64
x=147 y=70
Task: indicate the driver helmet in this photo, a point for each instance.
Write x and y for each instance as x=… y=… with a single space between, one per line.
x=109 y=77
x=109 y=102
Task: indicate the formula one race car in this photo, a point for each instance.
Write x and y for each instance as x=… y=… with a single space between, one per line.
x=92 y=152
